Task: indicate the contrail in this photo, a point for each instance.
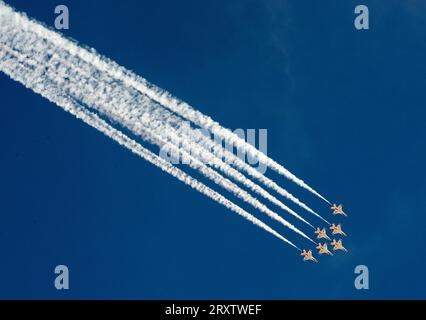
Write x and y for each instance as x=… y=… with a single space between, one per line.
x=55 y=95
x=220 y=152
x=92 y=94
x=38 y=84
x=94 y=121
x=172 y=123
x=164 y=128
x=166 y=125
x=159 y=95
x=168 y=128
x=148 y=128
x=236 y=175
x=99 y=124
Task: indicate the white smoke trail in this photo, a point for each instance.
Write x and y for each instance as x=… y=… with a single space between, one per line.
x=223 y=153
x=159 y=95
x=136 y=148
x=92 y=94
x=162 y=133
x=94 y=121
x=81 y=88
x=55 y=95
x=37 y=83
x=163 y=127
x=173 y=125
x=168 y=128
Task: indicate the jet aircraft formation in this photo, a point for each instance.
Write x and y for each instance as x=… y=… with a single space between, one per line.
x=322 y=236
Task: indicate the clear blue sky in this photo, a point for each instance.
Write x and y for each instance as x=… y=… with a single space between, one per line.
x=344 y=110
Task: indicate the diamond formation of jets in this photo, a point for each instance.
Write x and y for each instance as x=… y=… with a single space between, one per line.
x=321 y=234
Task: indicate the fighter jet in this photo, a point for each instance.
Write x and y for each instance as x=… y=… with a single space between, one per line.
x=307 y=255
x=338 y=245
x=337 y=229
x=322 y=249
x=322 y=234
x=338 y=210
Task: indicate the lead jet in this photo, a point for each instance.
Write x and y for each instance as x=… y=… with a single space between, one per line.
x=338 y=210
x=307 y=255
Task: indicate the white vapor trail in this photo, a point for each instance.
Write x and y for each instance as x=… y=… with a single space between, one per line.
x=160 y=96
x=16 y=70
x=220 y=152
x=78 y=87
x=167 y=126
x=99 y=124
x=49 y=80
x=111 y=99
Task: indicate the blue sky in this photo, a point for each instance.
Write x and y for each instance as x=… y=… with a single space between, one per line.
x=344 y=111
